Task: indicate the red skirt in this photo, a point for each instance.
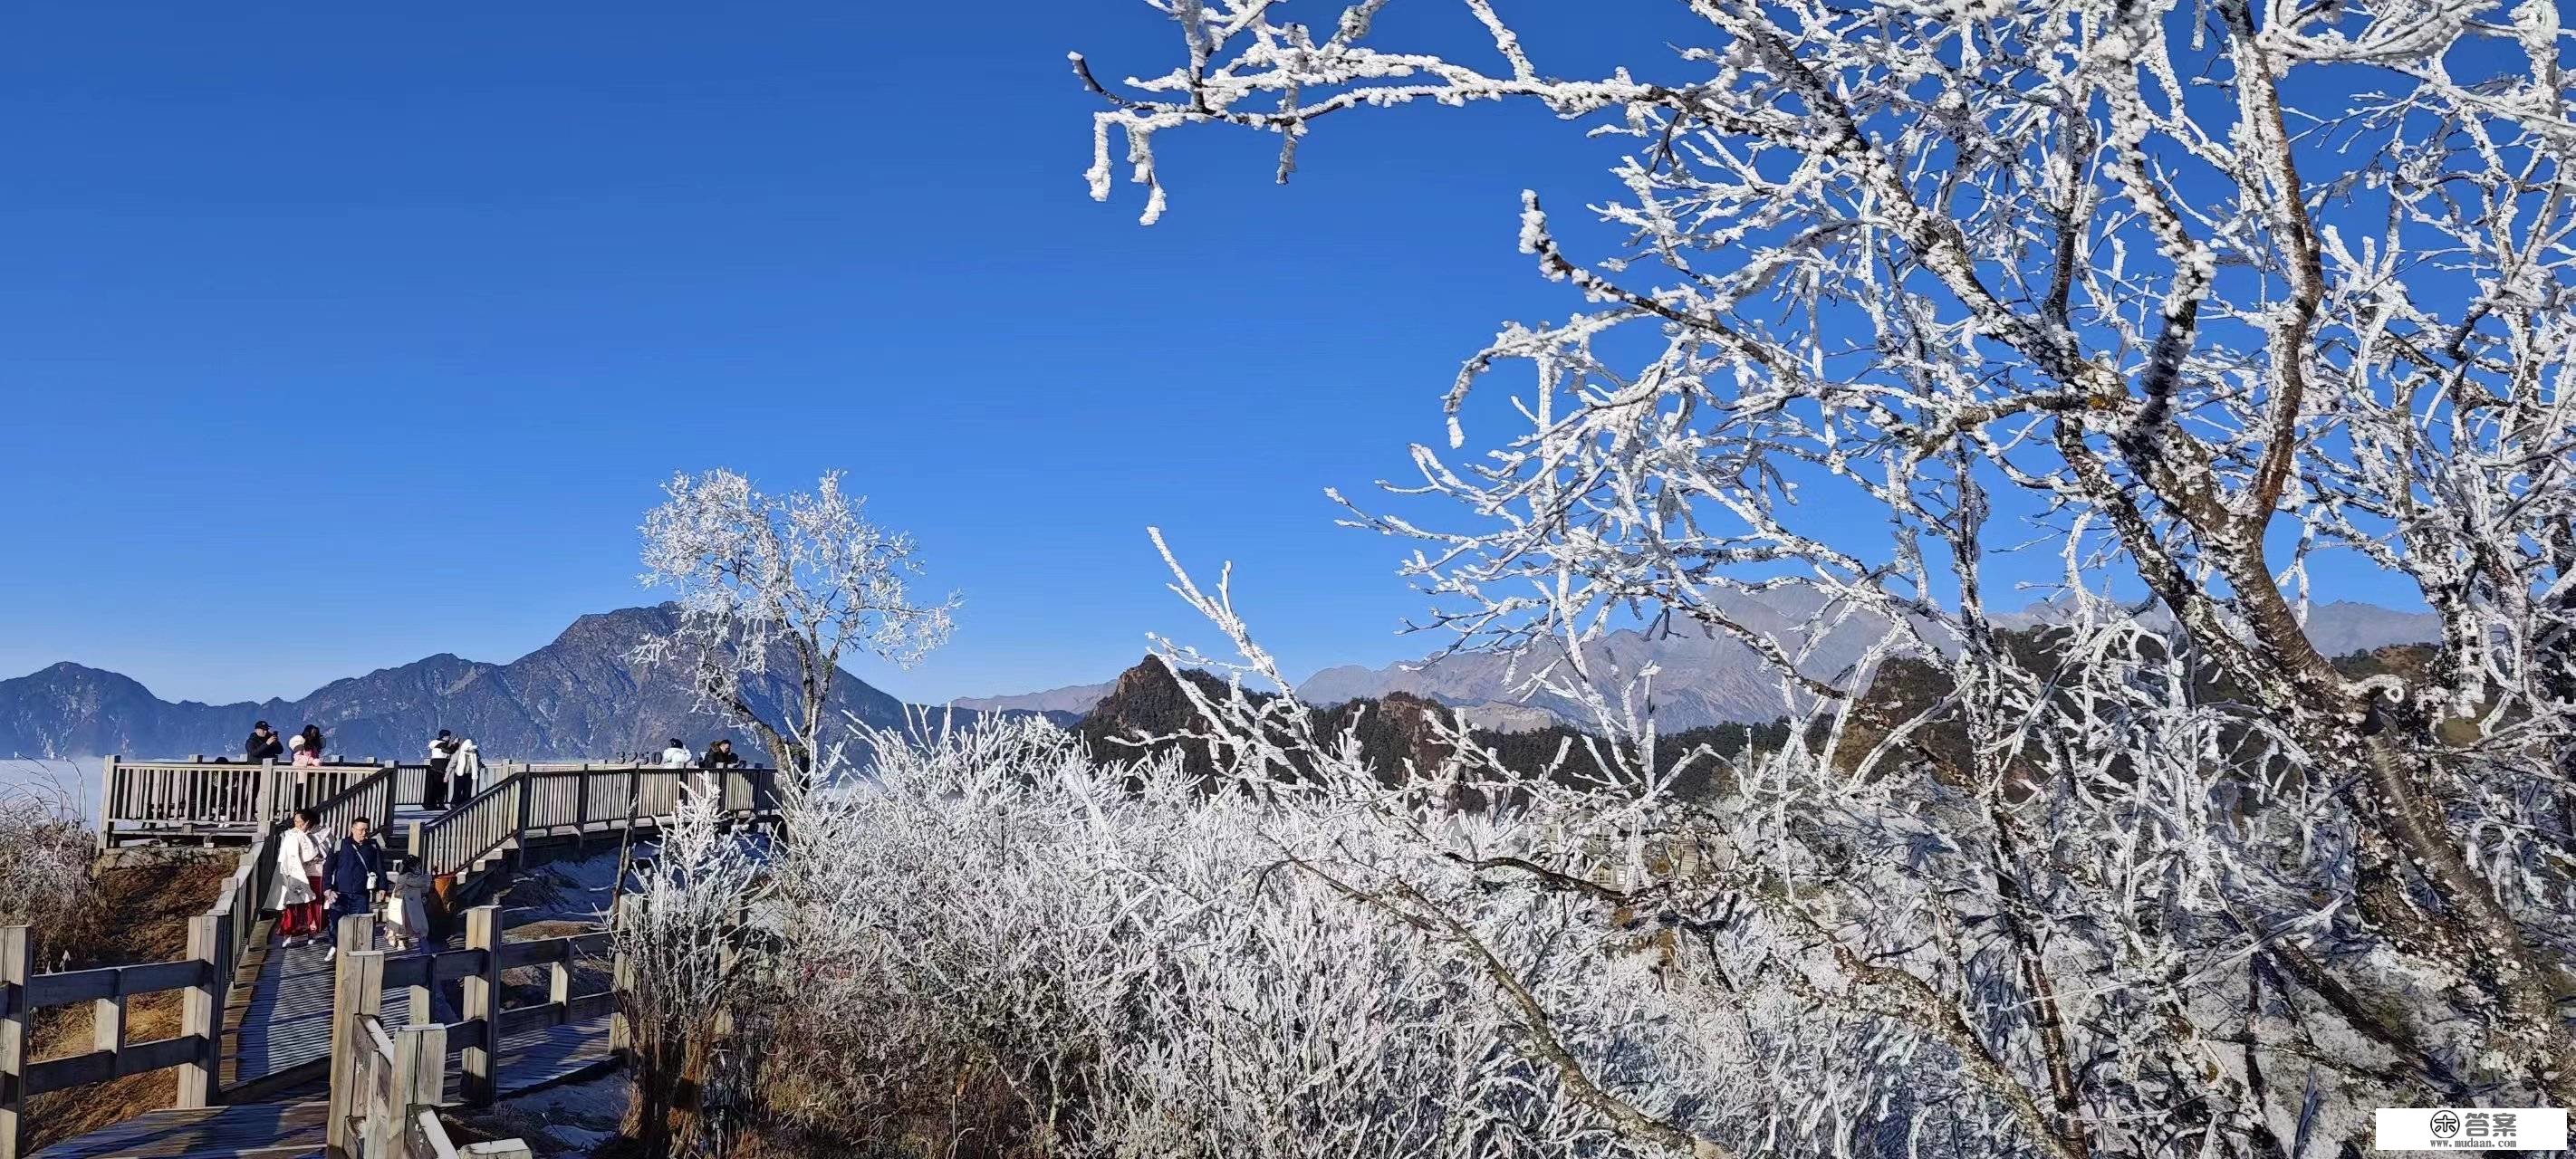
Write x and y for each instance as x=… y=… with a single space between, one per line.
x=303 y=918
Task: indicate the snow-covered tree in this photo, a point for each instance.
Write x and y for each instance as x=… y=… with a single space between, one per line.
x=2191 y=294
x=798 y=581
x=689 y=961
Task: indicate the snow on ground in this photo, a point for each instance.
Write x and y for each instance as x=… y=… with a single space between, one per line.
x=574 y=1120
x=566 y=1122
x=565 y=891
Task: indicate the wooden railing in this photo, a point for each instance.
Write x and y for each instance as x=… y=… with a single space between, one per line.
x=197 y=798
x=455 y=840
x=108 y=989
x=545 y=801
x=399 y=1081
x=218 y=942
x=365 y=1103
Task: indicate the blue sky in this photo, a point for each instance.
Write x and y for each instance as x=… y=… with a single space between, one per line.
x=341 y=335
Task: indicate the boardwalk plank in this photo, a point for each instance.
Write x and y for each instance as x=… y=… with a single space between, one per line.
x=293 y=1128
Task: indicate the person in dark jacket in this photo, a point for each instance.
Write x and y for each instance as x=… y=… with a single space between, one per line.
x=354 y=876
x=264 y=744
x=720 y=755
x=442 y=751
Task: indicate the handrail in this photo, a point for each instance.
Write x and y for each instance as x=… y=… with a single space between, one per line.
x=386 y=1084
x=236 y=910
x=453 y=841
x=371 y=797
x=196 y=1048
x=537 y=799
x=200 y=798
x=109 y=989
x=399 y=1080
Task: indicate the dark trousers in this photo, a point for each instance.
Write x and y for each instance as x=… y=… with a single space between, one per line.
x=433 y=792
x=346 y=909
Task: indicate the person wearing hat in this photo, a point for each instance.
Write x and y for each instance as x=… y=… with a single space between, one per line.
x=263 y=745
x=678 y=756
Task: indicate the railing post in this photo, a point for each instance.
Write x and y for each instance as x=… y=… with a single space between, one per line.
x=559 y=991
x=482 y=992
x=581 y=812
x=420 y=1080
x=621 y=975
x=17 y=965
x=357 y=990
x=107 y=1024
x=269 y=805
x=107 y=806
x=355 y=934
x=202 y=1015
x=519 y=856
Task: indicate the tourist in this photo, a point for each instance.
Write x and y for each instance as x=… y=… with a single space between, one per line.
x=406 y=907
x=299 y=881
x=720 y=755
x=678 y=756
x=442 y=751
x=354 y=877
x=263 y=745
x=462 y=765
x=307 y=745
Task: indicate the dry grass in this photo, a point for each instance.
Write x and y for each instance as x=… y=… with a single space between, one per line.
x=140 y=915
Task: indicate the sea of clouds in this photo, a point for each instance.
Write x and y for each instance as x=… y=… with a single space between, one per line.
x=74 y=783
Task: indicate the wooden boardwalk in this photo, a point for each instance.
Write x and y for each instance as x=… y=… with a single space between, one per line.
x=292 y=1128
x=270 y=1010
x=250 y=1131
x=285 y=1023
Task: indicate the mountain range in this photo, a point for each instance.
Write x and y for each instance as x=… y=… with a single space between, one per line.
x=1706 y=679
x=1072 y=701
x=583 y=695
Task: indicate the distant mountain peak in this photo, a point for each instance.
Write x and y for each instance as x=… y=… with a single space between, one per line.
x=581 y=695
x=1706 y=680
x=1072 y=700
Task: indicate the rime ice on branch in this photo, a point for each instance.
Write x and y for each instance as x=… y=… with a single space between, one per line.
x=2196 y=292
x=800 y=581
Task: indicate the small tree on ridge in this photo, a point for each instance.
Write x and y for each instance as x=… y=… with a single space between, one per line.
x=799 y=580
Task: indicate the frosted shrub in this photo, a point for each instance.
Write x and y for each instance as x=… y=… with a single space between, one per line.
x=2171 y=311
x=1147 y=971
x=44 y=859
x=687 y=934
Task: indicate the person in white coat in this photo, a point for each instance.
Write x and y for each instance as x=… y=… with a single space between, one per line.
x=678 y=756
x=462 y=768
x=299 y=881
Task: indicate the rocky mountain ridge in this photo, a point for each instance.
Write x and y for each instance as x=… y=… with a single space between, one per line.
x=1710 y=679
